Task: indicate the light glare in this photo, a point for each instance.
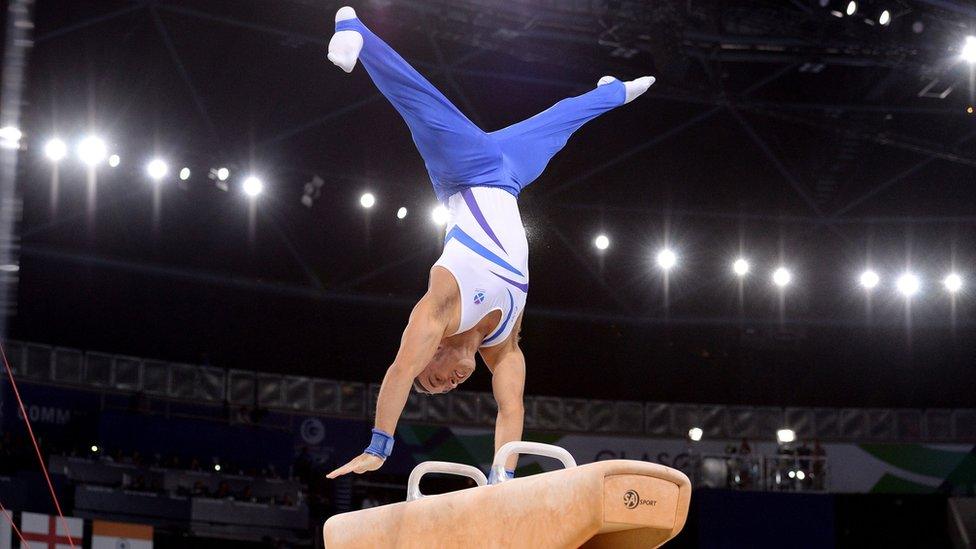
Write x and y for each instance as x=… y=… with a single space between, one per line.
x=440 y=215
x=252 y=186
x=602 y=242
x=114 y=161
x=869 y=279
x=885 y=17
x=55 y=150
x=223 y=174
x=740 y=267
x=908 y=284
x=10 y=137
x=184 y=174
x=92 y=150
x=851 y=7
x=968 y=52
x=785 y=436
x=157 y=169
x=666 y=259
x=695 y=434
x=782 y=277
x=952 y=282
x=367 y=200
x=401 y=213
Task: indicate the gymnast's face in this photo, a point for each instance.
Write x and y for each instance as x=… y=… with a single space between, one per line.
x=450 y=367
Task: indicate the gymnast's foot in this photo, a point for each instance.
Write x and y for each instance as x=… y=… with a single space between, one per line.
x=345 y=45
x=634 y=88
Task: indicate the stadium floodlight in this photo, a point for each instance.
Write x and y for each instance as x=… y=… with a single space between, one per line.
x=157 y=169
x=908 y=284
x=10 y=137
x=440 y=215
x=869 y=279
x=666 y=259
x=223 y=174
x=785 y=436
x=55 y=149
x=740 y=267
x=402 y=212
x=114 y=161
x=952 y=282
x=92 y=150
x=184 y=174
x=602 y=242
x=367 y=200
x=782 y=277
x=695 y=434
x=252 y=186
x=968 y=52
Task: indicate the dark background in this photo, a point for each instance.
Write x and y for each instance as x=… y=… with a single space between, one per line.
x=774 y=128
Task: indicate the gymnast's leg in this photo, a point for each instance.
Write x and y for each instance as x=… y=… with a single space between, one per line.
x=452 y=146
x=530 y=144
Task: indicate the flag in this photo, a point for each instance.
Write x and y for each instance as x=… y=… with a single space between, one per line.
x=121 y=535
x=48 y=531
x=5 y=530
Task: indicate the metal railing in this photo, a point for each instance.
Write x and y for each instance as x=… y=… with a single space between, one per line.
x=781 y=472
x=299 y=394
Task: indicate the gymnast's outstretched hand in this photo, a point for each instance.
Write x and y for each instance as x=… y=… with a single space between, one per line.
x=362 y=463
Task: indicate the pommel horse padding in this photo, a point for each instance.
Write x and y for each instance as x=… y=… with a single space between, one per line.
x=616 y=503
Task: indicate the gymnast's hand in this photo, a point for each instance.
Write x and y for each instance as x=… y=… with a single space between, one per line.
x=362 y=463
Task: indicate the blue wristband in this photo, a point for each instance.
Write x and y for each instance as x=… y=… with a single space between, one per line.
x=509 y=475
x=381 y=445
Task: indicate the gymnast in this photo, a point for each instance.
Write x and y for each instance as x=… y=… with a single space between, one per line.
x=477 y=289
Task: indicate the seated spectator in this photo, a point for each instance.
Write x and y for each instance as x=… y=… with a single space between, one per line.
x=199 y=489
x=248 y=494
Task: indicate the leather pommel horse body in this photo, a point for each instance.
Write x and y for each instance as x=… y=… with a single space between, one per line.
x=616 y=503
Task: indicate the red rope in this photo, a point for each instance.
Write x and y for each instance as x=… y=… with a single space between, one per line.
x=37 y=448
x=10 y=519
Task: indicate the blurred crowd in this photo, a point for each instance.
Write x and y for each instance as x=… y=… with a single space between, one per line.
x=796 y=466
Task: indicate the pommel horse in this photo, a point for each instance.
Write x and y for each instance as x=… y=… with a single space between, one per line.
x=615 y=503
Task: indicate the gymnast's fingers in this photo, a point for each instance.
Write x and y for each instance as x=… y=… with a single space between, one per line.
x=347 y=468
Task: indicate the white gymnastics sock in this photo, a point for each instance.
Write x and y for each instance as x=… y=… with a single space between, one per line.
x=345 y=45
x=634 y=87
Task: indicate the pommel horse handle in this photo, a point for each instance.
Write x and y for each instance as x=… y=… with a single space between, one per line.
x=444 y=467
x=521 y=447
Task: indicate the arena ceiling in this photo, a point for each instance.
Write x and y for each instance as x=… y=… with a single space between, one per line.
x=777 y=130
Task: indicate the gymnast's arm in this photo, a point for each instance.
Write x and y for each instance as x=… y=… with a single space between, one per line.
x=507 y=364
x=429 y=322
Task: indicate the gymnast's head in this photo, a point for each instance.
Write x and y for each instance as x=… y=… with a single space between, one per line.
x=451 y=366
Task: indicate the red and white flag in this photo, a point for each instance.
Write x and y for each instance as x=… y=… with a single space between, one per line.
x=48 y=531
x=121 y=535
